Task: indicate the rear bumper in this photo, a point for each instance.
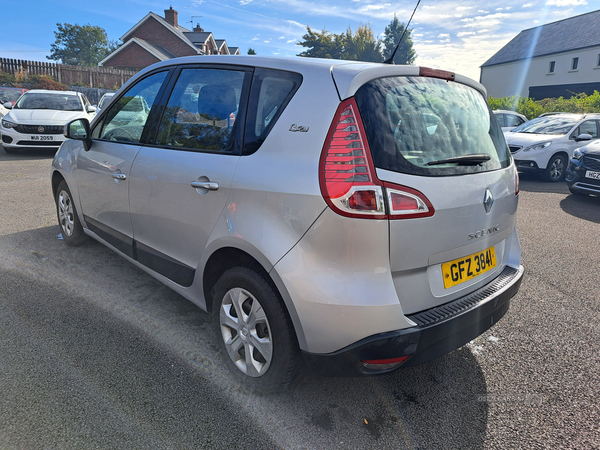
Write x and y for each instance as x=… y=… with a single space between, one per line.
x=439 y=331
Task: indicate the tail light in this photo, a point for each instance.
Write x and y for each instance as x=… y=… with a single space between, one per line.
x=516 y=182
x=347 y=176
x=383 y=364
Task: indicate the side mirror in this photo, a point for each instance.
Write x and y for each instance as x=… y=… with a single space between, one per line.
x=79 y=130
x=7 y=105
x=91 y=109
x=583 y=137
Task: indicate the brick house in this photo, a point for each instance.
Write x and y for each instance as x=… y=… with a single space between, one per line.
x=156 y=38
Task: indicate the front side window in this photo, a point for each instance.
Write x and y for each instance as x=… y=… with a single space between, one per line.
x=588 y=127
x=413 y=124
x=59 y=102
x=126 y=119
x=513 y=121
x=202 y=111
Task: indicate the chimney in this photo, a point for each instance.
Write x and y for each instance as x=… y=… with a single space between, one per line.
x=197 y=29
x=171 y=16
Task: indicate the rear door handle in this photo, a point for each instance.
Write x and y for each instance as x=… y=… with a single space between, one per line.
x=119 y=176
x=210 y=185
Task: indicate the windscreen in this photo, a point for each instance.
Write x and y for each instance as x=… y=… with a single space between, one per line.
x=556 y=125
x=60 y=102
x=413 y=124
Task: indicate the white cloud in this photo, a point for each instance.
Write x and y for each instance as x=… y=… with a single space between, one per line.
x=443 y=35
x=561 y=3
x=245 y=2
x=466 y=33
x=463 y=8
x=282 y=37
x=290 y=41
x=527 y=5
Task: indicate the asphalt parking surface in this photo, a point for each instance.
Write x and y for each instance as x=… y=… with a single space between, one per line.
x=94 y=353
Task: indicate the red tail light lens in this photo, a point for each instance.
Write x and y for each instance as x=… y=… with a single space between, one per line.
x=347 y=175
x=346 y=171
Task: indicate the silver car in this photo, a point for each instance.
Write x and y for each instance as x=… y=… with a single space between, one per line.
x=353 y=217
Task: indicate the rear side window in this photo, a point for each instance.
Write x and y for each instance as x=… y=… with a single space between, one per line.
x=271 y=92
x=412 y=123
x=202 y=110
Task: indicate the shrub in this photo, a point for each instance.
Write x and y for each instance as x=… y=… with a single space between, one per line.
x=578 y=103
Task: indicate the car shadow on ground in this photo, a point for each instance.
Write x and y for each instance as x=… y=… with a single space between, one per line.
x=146 y=349
x=583 y=207
x=532 y=182
x=28 y=153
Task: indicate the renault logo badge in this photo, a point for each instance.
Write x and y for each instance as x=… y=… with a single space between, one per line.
x=488 y=200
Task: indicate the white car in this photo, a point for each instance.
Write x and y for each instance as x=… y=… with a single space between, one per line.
x=37 y=120
x=546 y=144
x=509 y=119
x=104 y=100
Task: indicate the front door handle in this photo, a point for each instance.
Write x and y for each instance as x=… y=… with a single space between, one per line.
x=119 y=176
x=210 y=185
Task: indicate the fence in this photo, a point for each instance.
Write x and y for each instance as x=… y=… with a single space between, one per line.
x=97 y=77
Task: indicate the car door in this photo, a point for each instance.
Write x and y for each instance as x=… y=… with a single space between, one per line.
x=180 y=183
x=102 y=172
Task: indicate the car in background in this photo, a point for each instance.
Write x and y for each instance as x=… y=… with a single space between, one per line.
x=104 y=100
x=358 y=217
x=583 y=172
x=38 y=118
x=545 y=144
x=9 y=95
x=509 y=119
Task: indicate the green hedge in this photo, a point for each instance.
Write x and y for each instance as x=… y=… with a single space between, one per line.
x=579 y=103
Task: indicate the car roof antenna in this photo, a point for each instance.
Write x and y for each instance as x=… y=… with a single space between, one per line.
x=390 y=60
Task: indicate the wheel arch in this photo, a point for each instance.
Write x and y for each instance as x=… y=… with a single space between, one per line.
x=56 y=179
x=228 y=257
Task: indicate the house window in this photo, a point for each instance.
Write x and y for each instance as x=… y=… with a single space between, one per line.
x=598 y=61
x=574 y=63
x=551 y=68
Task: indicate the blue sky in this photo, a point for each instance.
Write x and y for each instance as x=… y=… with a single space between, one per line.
x=453 y=35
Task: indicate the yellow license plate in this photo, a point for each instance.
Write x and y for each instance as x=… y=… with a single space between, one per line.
x=463 y=269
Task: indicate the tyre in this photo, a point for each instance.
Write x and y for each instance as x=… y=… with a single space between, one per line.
x=255 y=333
x=556 y=168
x=574 y=192
x=68 y=221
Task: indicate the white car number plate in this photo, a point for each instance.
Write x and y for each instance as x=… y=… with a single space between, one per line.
x=594 y=175
x=42 y=138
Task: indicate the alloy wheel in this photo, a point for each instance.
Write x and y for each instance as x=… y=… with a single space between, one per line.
x=246 y=332
x=66 y=212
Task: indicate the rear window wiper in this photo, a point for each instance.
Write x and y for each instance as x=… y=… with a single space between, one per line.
x=465 y=160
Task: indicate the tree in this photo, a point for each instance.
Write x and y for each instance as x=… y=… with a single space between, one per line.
x=406 y=53
x=362 y=45
x=359 y=46
x=251 y=51
x=321 y=45
x=80 y=45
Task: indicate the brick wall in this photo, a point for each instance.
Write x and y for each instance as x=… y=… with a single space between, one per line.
x=158 y=34
x=133 y=56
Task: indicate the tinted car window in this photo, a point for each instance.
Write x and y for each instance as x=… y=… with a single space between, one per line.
x=202 y=110
x=7 y=95
x=59 y=102
x=125 y=120
x=271 y=92
x=414 y=122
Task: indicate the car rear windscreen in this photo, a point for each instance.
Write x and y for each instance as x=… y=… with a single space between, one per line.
x=413 y=124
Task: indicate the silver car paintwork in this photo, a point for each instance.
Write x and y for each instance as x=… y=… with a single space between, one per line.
x=334 y=273
x=101 y=196
x=167 y=213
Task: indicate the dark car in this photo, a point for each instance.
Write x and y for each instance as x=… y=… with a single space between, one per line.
x=583 y=172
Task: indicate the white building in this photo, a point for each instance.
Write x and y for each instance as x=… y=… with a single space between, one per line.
x=557 y=59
